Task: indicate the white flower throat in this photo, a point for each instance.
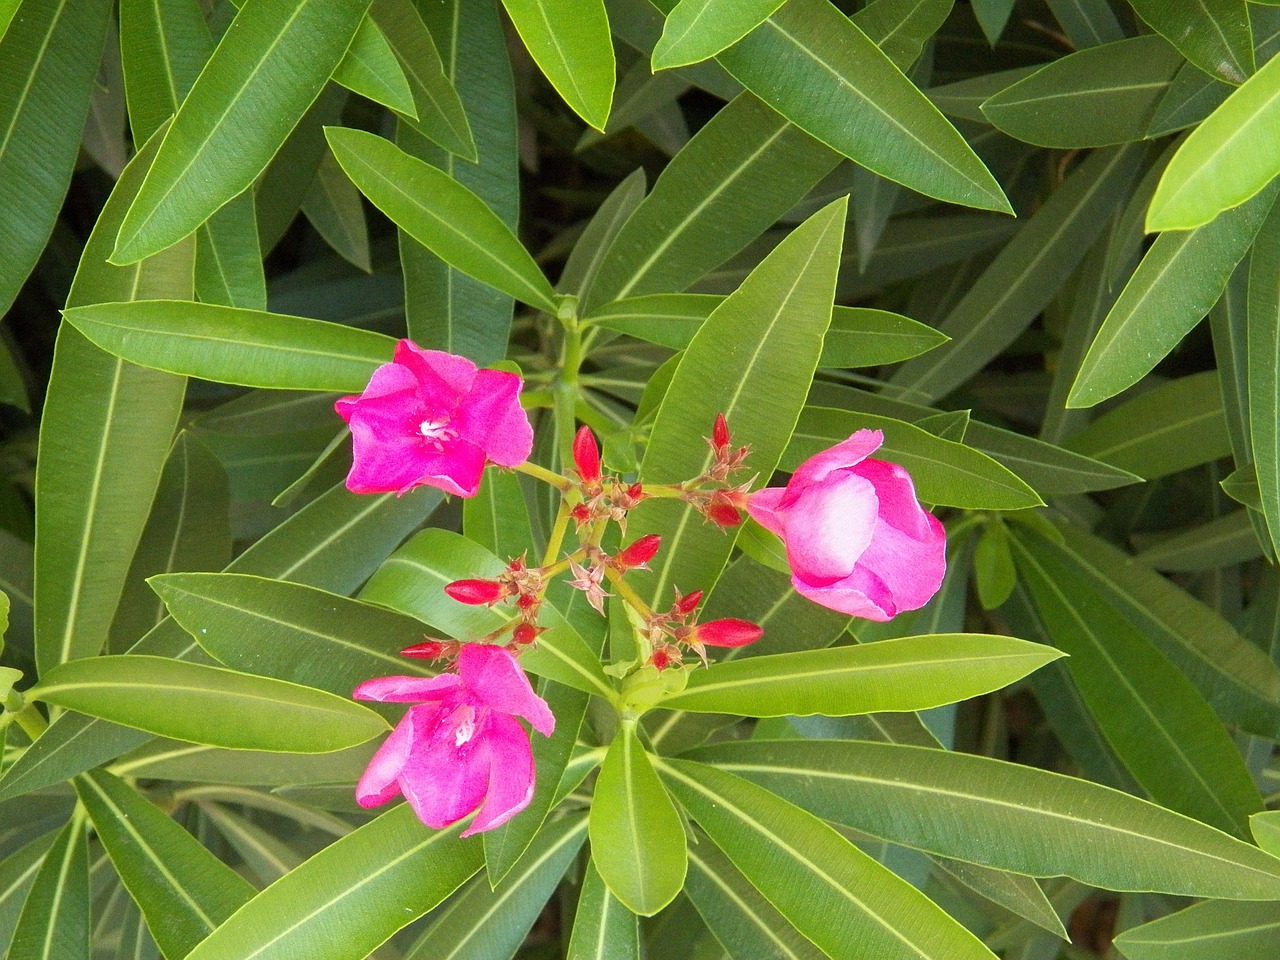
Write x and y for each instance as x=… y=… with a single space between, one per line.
x=437 y=431
x=465 y=715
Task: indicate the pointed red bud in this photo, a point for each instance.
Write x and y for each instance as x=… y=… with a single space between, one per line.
x=729 y=632
x=476 y=592
x=638 y=554
x=662 y=658
x=720 y=432
x=719 y=509
x=687 y=604
x=427 y=650
x=586 y=456
x=526 y=633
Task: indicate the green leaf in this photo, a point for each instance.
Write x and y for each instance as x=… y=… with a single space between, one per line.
x=579 y=274
x=1266 y=831
x=228 y=259
x=1262 y=370
x=441 y=115
x=211 y=705
x=1024 y=276
x=54 y=923
x=1020 y=895
x=1221 y=542
x=764 y=343
x=994 y=573
x=163 y=46
x=603 y=929
x=1243 y=931
x=184 y=891
x=441 y=214
x=316 y=638
x=910 y=673
x=1180 y=278
x=944 y=472
x=844 y=901
x=1171 y=427
x=1212 y=34
x=808 y=56
x=350 y=897
x=369 y=68
x=1094 y=98
x=17 y=872
x=483 y=921
x=1191 y=96
x=699 y=29
x=732 y=181
x=1003 y=815
x=230 y=345
x=255 y=88
x=1159 y=725
x=570 y=42
x=636 y=835
x=1087 y=22
x=497 y=517
x=901 y=28
x=334 y=207
x=51 y=56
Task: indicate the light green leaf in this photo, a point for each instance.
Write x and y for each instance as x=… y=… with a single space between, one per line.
x=184 y=891
x=350 y=897
x=1180 y=278
x=51 y=55
x=54 y=923
x=1094 y=98
x=1206 y=931
x=441 y=214
x=1262 y=370
x=764 y=343
x=1266 y=831
x=569 y=40
x=910 y=673
x=1003 y=815
x=1212 y=34
x=1019 y=895
x=902 y=27
x=603 y=929
x=252 y=93
x=699 y=29
x=230 y=345
x=636 y=835
x=228 y=259
x=210 y=705
x=844 y=901
x=370 y=69
x=1192 y=95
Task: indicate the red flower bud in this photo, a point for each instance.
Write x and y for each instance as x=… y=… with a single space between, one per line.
x=687 y=604
x=662 y=658
x=729 y=632
x=720 y=432
x=427 y=650
x=586 y=456
x=719 y=509
x=638 y=554
x=476 y=592
x=526 y=633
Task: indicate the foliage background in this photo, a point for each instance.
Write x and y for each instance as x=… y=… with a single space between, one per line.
x=1107 y=464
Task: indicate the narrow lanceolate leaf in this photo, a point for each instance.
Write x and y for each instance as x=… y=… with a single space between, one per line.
x=54 y=923
x=1094 y=98
x=51 y=54
x=699 y=29
x=184 y=891
x=1025 y=275
x=441 y=214
x=911 y=673
x=231 y=345
x=371 y=69
x=570 y=42
x=808 y=56
x=350 y=897
x=849 y=905
x=17 y=872
x=603 y=929
x=1205 y=931
x=105 y=434
x=1262 y=325
x=228 y=258
x=1003 y=815
x=1226 y=160
x=763 y=343
x=1179 y=280
x=1158 y=723
x=270 y=67
x=1212 y=34
x=210 y=705
x=637 y=839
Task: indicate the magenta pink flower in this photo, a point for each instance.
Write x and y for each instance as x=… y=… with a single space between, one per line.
x=857 y=539
x=432 y=418
x=461 y=747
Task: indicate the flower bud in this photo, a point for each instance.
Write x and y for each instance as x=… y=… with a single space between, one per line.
x=729 y=632
x=586 y=456
x=720 y=433
x=687 y=604
x=638 y=555
x=665 y=656
x=526 y=633
x=476 y=592
x=429 y=650
x=721 y=511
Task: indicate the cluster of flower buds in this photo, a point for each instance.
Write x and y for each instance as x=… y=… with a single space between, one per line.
x=670 y=633
x=601 y=500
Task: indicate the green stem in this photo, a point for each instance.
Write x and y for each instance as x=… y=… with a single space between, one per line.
x=31 y=721
x=561 y=483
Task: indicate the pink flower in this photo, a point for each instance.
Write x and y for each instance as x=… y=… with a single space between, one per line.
x=432 y=418
x=857 y=539
x=461 y=747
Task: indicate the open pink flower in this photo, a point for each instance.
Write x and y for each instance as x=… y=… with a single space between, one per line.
x=461 y=746
x=432 y=418
x=857 y=539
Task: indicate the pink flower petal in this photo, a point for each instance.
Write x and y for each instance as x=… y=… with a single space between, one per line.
x=491 y=417
x=380 y=781
x=493 y=679
x=910 y=569
x=408 y=689
x=846 y=453
x=829 y=525
x=440 y=374
x=390 y=378
x=853 y=595
x=444 y=780
x=511 y=775
x=762 y=507
x=898 y=504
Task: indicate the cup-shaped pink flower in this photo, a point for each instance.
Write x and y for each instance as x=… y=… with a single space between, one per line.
x=432 y=418
x=857 y=539
x=461 y=746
